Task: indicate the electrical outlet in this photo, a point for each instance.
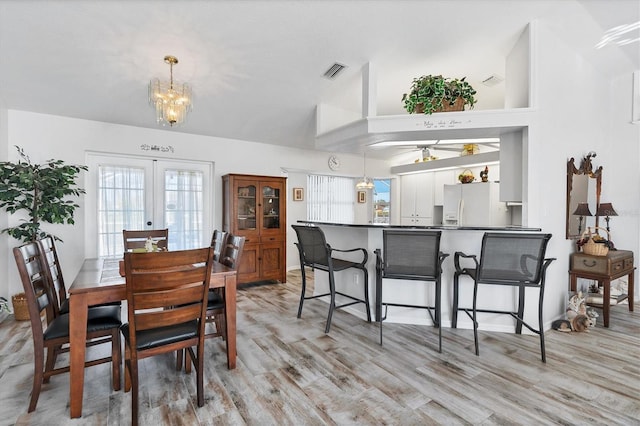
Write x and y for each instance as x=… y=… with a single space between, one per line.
x=356 y=278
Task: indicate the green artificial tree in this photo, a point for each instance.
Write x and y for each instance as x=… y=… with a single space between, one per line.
x=40 y=191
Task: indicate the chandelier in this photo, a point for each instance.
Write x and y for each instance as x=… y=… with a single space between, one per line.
x=172 y=101
x=365 y=182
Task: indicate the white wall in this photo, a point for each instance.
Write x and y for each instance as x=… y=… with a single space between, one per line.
x=579 y=110
x=45 y=136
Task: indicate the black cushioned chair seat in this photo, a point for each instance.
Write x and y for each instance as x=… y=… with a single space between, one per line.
x=147 y=339
x=99 y=318
x=215 y=300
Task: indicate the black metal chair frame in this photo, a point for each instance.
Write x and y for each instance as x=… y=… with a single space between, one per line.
x=384 y=270
x=476 y=274
x=323 y=259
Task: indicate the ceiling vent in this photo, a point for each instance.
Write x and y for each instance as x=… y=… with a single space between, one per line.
x=492 y=80
x=334 y=70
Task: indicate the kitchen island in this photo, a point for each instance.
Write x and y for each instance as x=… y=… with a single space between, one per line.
x=467 y=239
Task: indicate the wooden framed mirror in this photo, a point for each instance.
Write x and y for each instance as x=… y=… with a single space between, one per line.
x=583 y=195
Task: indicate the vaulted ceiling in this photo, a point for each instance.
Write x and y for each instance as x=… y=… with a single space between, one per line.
x=256 y=67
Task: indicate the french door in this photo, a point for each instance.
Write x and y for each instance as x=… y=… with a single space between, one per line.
x=142 y=193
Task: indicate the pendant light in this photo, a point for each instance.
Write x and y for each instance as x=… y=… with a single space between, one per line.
x=171 y=100
x=366 y=182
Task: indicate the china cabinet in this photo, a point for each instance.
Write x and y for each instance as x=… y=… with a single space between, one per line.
x=255 y=207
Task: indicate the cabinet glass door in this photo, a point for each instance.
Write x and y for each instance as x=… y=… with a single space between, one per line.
x=246 y=207
x=270 y=207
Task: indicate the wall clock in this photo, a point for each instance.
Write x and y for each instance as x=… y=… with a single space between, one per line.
x=334 y=163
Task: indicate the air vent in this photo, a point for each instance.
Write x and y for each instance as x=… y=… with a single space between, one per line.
x=334 y=70
x=492 y=80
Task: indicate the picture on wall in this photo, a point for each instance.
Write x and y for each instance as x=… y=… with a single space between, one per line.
x=298 y=194
x=362 y=196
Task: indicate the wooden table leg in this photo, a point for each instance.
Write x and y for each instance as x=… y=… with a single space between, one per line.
x=630 y=291
x=606 y=300
x=230 y=311
x=573 y=280
x=77 y=340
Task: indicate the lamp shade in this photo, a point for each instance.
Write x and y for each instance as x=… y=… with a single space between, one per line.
x=582 y=210
x=606 y=209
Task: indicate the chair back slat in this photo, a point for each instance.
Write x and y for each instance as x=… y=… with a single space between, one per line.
x=36 y=288
x=136 y=239
x=156 y=298
x=52 y=269
x=313 y=245
x=231 y=253
x=411 y=254
x=218 y=242
x=512 y=257
x=160 y=318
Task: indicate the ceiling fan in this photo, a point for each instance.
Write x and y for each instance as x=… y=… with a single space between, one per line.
x=464 y=147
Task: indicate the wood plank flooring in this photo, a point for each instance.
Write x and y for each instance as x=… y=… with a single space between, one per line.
x=291 y=373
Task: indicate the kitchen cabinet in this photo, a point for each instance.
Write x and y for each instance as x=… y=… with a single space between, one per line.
x=255 y=208
x=416 y=199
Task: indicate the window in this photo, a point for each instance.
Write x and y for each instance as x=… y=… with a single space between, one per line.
x=381 y=200
x=330 y=198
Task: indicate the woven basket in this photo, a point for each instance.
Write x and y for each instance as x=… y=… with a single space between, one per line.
x=20 y=308
x=466 y=176
x=591 y=247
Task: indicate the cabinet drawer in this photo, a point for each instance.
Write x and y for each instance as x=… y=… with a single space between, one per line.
x=611 y=264
x=271 y=238
x=628 y=263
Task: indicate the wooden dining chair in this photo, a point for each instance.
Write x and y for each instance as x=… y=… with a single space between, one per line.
x=218 y=241
x=53 y=272
x=215 y=315
x=103 y=324
x=137 y=239
x=230 y=256
x=167 y=301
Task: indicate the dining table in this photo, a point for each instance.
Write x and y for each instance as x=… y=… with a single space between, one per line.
x=99 y=281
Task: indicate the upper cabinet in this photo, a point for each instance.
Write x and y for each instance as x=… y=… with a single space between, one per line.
x=416 y=204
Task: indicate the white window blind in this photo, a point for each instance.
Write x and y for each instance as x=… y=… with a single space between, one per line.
x=330 y=198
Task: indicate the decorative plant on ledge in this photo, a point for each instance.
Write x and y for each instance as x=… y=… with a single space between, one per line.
x=40 y=190
x=435 y=93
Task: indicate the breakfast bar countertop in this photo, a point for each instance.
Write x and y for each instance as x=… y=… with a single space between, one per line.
x=511 y=228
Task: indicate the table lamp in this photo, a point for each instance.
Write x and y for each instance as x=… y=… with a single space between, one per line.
x=606 y=210
x=581 y=211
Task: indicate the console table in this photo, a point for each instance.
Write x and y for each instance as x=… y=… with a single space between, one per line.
x=604 y=269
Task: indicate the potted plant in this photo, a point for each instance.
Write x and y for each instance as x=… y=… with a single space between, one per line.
x=40 y=191
x=435 y=93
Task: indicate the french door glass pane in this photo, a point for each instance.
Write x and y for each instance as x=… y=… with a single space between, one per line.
x=143 y=193
x=120 y=205
x=183 y=211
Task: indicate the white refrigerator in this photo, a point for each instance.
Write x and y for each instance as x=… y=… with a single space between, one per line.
x=474 y=204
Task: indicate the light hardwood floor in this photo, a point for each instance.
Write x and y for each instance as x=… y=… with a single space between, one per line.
x=291 y=373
